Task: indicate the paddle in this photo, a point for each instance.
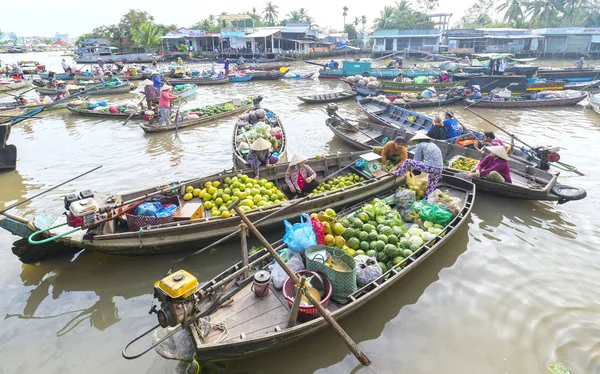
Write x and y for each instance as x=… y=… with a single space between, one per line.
x=177 y=118
x=316 y=303
x=22 y=93
x=570 y=167
x=48 y=190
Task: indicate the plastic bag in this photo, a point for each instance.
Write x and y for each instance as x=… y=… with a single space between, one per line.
x=435 y=214
x=278 y=275
x=417 y=183
x=148 y=209
x=404 y=198
x=113 y=109
x=443 y=200
x=177 y=347
x=367 y=269
x=319 y=230
x=299 y=236
x=167 y=210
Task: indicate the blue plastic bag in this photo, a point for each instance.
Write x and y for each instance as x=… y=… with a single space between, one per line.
x=149 y=209
x=166 y=211
x=299 y=236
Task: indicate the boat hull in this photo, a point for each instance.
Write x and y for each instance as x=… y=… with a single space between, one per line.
x=329 y=97
x=111 y=58
x=594 y=103
x=526 y=103
x=378 y=73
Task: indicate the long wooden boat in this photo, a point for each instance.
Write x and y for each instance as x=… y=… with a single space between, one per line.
x=256 y=325
x=265 y=75
x=90 y=113
x=150 y=127
x=545 y=86
x=13 y=108
x=61 y=76
x=528 y=181
x=239 y=159
x=113 y=237
x=52 y=90
x=594 y=100
x=569 y=74
x=526 y=103
x=397 y=87
x=14 y=86
x=415 y=104
x=299 y=76
x=581 y=85
x=263 y=68
x=328 y=97
x=199 y=81
x=394 y=116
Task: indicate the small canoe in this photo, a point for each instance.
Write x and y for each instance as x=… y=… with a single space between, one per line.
x=391 y=86
x=90 y=113
x=239 y=135
x=263 y=68
x=61 y=76
x=258 y=325
x=581 y=85
x=153 y=127
x=420 y=103
x=568 y=73
x=189 y=91
x=394 y=116
x=199 y=81
x=594 y=100
x=12 y=106
x=50 y=91
x=328 y=97
x=299 y=76
x=114 y=238
x=265 y=75
x=8 y=87
x=528 y=181
x=240 y=79
x=527 y=103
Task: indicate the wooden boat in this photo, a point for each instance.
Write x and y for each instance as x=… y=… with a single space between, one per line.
x=545 y=86
x=239 y=159
x=394 y=116
x=8 y=87
x=90 y=113
x=113 y=238
x=397 y=87
x=199 y=81
x=594 y=100
x=581 y=85
x=50 y=91
x=61 y=76
x=17 y=109
x=569 y=74
x=235 y=79
x=151 y=127
x=256 y=325
x=189 y=91
x=299 y=76
x=265 y=75
x=263 y=68
x=528 y=181
x=528 y=103
x=328 y=97
x=251 y=60
x=413 y=104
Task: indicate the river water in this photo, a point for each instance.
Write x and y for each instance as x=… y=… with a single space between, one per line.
x=516 y=290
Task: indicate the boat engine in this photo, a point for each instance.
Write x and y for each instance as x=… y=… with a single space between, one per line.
x=178 y=297
x=81 y=209
x=546 y=155
x=331 y=109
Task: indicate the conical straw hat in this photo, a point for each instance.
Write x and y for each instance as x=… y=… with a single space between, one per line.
x=420 y=136
x=499 y=151
x=260 y=144
x=296 y=159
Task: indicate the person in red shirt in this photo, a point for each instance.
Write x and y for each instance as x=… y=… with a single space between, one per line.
x=164 y=105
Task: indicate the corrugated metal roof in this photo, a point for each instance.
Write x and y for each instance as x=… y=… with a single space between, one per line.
x=295 y=29
x=263 y=32
x=407 y=33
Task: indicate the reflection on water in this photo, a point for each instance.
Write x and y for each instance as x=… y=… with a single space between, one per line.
x=516 y=291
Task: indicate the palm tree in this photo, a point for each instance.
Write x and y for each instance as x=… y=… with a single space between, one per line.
x=385 y=19
x=294 y=16
x=363 y=20
x=302 y=13
x=146 y=35
x=356 y=21
x=345 y=8
x=514 y=11
x=311 y=22
x=255 y=18
x=270 y=13
x=543 y=12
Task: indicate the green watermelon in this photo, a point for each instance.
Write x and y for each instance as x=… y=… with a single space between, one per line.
x=372 y=223
x=359 y=252
x=382 y=257
x=407 y=252
x=368 y=227
x=391 y=251
x=364 y=245
x=346 y=222
x=398 y=259
x=404 y=243
x=371 y=253
x=386 y=230
x=383 y=267
x=357 y=223
x=380 y=219
x=348 y=233
x=379 y=245
x=363 y=216
x=353 y=243
x=373 y=235
x=363 y=235
x=383 y=238
x=393 y=239
x=379 y=226
x=373 y=245
x=397 y=231
x=390 y=264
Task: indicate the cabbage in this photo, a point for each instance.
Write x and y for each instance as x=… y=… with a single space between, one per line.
x=415 y=226
x=415 y=242
x=434 y=231
x=414 y=232
x=426 y=236
x=427 y=224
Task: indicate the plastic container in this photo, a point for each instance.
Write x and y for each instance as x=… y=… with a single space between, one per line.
x=310 y=312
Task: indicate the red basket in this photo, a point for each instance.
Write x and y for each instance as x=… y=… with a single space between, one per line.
x=135 y=223
x=306 y=313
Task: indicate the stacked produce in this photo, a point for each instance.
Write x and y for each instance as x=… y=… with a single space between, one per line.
x=247 y=134
x=341 y=181
x=103 y=107
x=212 y=110
x=368 y=82
x=463 y=163
x=217 y=196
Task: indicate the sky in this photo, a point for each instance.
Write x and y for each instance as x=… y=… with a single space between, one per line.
x=42 y=19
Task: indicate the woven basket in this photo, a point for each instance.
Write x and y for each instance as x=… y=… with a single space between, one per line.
x=343 y=283
x=135 y=223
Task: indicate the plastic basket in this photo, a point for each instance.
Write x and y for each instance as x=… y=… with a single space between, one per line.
x=306 y=313
x=135 y=223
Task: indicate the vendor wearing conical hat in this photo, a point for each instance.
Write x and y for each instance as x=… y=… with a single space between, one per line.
x=300 y=179
x=61 y=90
x=151 y=93
x=476 y=95
x=427 y=159
x=428 y=93
x=493 y=166
x=260 y=155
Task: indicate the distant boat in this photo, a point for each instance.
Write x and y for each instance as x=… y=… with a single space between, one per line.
x=350 y=68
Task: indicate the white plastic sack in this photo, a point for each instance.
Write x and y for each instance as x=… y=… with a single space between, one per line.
x=177 y=347
x=279 y=276
x=367 y=269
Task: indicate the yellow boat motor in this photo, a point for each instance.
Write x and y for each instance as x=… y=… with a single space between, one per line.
x=178 y=72
x=176 y=294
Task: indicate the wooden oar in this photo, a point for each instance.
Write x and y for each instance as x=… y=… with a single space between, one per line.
x=316 y=303
x=48 y=190
x=570 y=167
x=22 y=93
x=177 y=118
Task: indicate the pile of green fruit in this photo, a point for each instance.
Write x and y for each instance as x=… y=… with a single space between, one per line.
x=217 y=196
x=211 y=110
x=464 y=163
x=338 y=182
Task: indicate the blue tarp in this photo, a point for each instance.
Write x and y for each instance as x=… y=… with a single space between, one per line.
x=341 y=46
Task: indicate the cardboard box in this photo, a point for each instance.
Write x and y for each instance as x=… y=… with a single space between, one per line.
x=189 y=211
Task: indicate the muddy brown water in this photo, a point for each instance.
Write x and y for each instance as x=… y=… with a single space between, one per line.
x=514 y=290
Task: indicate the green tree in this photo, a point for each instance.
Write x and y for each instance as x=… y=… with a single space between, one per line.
x=294 y=16
x=363 y=21
x=513 y=11
x=402 y=16
x=385 y=19
x=270 y=13
x=132 y=20
x=146 y=35
x=311 y=23
x=255 y=17
x=345 y=9
x=351 y=31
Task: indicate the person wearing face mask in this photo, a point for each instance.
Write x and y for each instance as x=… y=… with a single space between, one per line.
x=300 y=179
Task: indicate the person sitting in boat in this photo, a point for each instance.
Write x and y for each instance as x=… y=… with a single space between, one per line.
x=476 y=95
x=17 y=71
x=65 y=66
x=151 y=94
x=579 y=63
x=331 y=65
x=164 y=105
x=154 y=63
x=100 y=63
x=241 y=61
x=493 y=166
x=444 y=77
x=300 y=179
x=260 y=155
x=61 y=90
x=452 y=126
x=467 y=60
x=220 y=75
x=157 y=81
x=395 y=151
x=438 y=130
x=389 y=63
x=399 y=63
x=428 y=93
x=427 y=159
x=179 y=61
x=489 y=139
x=399 y=77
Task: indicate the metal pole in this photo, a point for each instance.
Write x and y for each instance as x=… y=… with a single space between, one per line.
x=244 y=241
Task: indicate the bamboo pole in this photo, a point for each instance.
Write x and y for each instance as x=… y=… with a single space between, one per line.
x=322 y=311
x=244 y=241
x=294 y=312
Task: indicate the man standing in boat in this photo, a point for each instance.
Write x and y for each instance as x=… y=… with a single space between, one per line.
x=66 y=66
x=100 y=63
x=164 y=106
x=226 y=66
x=579 y=63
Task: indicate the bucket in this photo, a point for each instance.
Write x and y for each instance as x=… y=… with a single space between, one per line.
x=260 y=285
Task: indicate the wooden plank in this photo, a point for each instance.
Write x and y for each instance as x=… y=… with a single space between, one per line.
x=264 y=321
x=241 y=300
x=265 y=305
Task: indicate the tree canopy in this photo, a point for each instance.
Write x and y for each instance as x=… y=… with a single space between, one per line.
x=402 y=16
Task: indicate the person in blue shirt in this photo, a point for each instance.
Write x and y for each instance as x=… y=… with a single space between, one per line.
x=156 y=80
x=332 y=64
x=428 y=93
x=452 y=127
x=476 y=95
x=226 y=66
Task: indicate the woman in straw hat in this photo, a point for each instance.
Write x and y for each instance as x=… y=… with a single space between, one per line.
x=150 y=92
x=428 y=159
x=164 y=105
x=260 y=155
x=300 y=179
x=61 y=90
x=493 y=166
x=428 y=93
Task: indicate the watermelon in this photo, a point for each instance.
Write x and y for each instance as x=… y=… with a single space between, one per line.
x=363 y=216
x=373 y=235
x=393 y=239
x=372 y=223
x=391 y=251
x=397 y=230
x=373 y=245
x=390 y=264
x=398 y=259
x=383 y=267
x=379 y=226
x=359 y=252
x=380 y=219
x=353 y=243
x=371 y=253
x=386 y=230
x=348 y=233
x=346 y=222
x=368 y=227
x=383 y=238
x=379 y=245
x=404 y=243
x=363 y=235
x=364 y=245
x=407 y=252
x=357 y=223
